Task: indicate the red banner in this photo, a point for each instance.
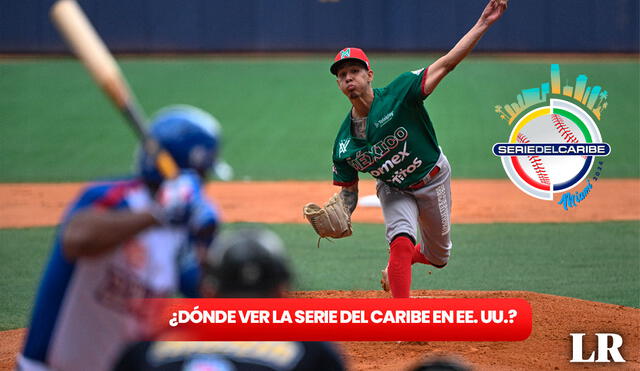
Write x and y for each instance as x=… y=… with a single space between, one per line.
x=342 y=319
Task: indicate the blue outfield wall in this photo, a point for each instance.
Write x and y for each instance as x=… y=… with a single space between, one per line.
x=310 y=25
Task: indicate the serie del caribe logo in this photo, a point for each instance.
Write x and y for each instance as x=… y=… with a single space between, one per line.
x=554 y=141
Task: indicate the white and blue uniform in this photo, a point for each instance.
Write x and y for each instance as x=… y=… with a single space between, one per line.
x=83 y=315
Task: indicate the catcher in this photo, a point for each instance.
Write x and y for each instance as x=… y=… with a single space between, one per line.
x=388 y=134
x=244 y=263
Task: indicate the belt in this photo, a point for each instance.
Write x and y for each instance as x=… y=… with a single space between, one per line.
x=425 y=180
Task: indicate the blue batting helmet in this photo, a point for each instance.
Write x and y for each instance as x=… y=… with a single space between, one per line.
x=189 y=134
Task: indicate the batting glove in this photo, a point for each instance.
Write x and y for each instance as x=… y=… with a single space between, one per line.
x=177 y=198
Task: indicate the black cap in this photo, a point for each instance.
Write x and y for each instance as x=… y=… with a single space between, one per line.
x=248 y=262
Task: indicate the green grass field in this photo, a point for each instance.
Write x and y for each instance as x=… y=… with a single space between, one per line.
x=55 y=125
x=279 y=117
x=532 y=257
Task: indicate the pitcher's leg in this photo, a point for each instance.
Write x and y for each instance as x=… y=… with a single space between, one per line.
x=399 y=210
x=400 y=215
x=434 y=204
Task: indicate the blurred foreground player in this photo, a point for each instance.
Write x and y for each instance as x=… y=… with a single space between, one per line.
x=247 y=263
x=124 y=240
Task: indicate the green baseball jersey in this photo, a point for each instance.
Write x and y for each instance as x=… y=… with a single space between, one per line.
x=400 y=146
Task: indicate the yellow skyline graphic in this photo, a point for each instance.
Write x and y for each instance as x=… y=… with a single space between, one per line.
x=594 y=98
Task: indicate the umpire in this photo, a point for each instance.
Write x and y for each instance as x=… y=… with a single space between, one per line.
x=245 y=263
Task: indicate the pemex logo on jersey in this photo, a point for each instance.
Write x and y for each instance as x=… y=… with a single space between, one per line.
x=555 y=141
x=367 y=161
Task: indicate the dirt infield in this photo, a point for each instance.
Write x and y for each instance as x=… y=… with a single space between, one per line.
x=548 y=347
x=474 y=201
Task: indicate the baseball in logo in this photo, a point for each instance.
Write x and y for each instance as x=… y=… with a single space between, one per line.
x=555 y=142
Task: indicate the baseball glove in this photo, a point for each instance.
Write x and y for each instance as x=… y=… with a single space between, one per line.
x=332 y=220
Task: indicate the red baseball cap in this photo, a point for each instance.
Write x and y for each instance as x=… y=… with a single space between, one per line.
x=347 y=54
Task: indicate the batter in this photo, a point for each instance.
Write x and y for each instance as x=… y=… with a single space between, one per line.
x=121 y=241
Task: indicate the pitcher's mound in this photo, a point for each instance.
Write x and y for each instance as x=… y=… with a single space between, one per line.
x=548 y=347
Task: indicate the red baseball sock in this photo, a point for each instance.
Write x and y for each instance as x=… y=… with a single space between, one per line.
x=418 y=257
x=399 y=267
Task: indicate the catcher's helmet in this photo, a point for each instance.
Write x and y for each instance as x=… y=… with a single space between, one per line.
x=247 y=262
x=189 y=134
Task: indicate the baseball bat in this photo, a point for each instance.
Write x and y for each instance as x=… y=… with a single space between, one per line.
x=84 y=41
